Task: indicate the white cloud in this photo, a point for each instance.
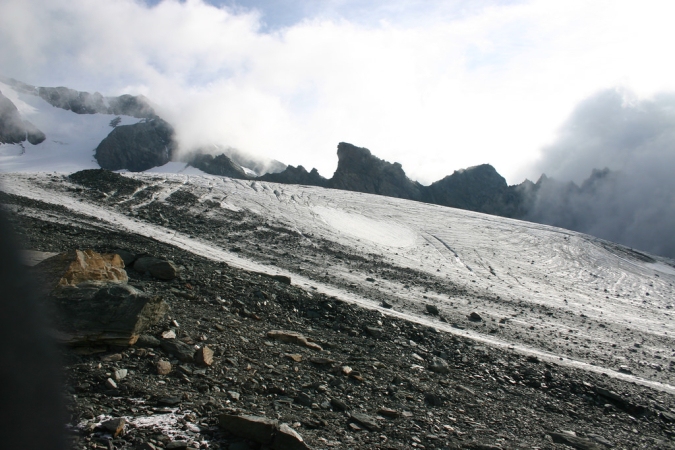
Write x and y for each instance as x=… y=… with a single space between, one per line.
x=436 y=94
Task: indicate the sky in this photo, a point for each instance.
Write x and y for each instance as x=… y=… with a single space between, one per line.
x=434 y=85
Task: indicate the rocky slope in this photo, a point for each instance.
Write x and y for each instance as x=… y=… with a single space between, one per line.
x=360 y=378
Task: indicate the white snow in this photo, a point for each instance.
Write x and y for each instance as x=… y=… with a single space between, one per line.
x=71 y=138
x=388 y=234
x=176 y=167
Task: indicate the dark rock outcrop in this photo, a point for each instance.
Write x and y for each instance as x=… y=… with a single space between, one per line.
x=478 y=188
x=137 y=147
x=219 y=165
x=13 y=129
x=296 y=175
x=358 y=170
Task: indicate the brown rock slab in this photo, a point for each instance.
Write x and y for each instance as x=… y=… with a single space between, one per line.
x=78 y=266
x=204 y=356
x=292 y=337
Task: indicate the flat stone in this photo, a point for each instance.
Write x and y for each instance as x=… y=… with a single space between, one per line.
x=432 y=309
x=390 y=413
x=169 y=334
x=292 y=337
x=182 y=351
x=374 y=331
x=574 y=441
x=120 y=374
x=255 y=428
x=110 y=383
x=147 y=341
x=366 y=421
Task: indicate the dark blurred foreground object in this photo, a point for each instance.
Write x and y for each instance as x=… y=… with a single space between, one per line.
x=31 y=408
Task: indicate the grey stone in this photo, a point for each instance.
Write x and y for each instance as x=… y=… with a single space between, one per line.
x=574 y=441
x=182 y=351
x=439 y=365
x=147 y=341
x=112 y=314
x=158 y=268
x=126 y=256
x=366 y=421
x=432 y=309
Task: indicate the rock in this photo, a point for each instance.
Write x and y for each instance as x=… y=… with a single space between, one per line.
x=158 y=268
x=439 y=365
x=292 y=337
x=110 y=384
x=296 y=175
x=220 y=165
x=432 y=309
x=126 y=256
x=366 y=421
x=475 y=317
x=177 y=445
x=163 y=368
x=338 y=404
x=263 y=431
x=321 y=360
x=667 y=417
x=76 y=267
x=182 y=351
x=433 y=399
x=374 y=331
x=147 y=446
x=386 y=304
x=304 y=399
x=600 y=440
x=120 y=374
x=287 y=439
x=389 y=413
x=147 y=341
x=112 y=314
x=234 y=396
x=204 y=356
x=137 y=147
x=115 y=426
x=574 y=441
x=169 y=334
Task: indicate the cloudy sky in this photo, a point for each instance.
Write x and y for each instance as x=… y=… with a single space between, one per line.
x=434 y=85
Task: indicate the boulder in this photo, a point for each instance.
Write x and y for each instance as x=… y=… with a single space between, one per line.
x=110 y=313
x=79 y=266
x=263 y=431
x=158 y=268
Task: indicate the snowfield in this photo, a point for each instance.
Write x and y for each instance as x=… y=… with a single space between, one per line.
x=566 y=297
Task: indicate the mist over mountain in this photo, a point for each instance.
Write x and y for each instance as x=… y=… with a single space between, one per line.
x=620 y=150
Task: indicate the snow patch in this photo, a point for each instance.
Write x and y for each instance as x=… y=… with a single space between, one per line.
x=389 y=234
